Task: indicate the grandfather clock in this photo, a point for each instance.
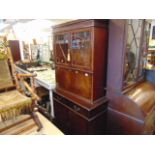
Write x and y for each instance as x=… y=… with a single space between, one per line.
x=132 y=99
x=80 y=51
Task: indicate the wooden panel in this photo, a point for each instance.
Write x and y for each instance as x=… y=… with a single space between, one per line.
x=98 y=126
x=149 y=127
x=133 y=112
x=88 y=111
x=78 y=125
x=144 y=96
x=116 y=54
x=15 y=50
x=63 y=78
x=74 y=81
x=61 y=115
x=121 y=123
x=100 y=62
x=75 y=119
x=78 y=24
x=82 y=84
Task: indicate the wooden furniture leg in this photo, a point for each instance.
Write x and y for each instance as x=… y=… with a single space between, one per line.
x=37 y=121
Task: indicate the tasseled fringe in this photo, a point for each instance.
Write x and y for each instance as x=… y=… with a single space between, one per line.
x=15 y=111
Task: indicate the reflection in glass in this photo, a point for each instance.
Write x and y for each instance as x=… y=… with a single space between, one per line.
x=133 y=51
x=80 y=40
x=62 y=47
x=81 y=49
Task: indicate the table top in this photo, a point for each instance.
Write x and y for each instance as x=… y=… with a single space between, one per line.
x=45 y=77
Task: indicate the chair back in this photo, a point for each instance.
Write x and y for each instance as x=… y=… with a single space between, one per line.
x=6 y=79
x=7 y=69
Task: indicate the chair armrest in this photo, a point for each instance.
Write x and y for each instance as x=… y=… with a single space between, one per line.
x=29 y=88
x=34 y=95
x=25 y=75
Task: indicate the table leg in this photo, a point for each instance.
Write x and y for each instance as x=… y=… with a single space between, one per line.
x=51 y=102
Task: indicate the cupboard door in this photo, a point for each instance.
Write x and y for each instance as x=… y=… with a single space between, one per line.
x=82 y=84
x=61 y=115
x=74 y=81
x=61 y=48
x=78 y=125
x=81 y=49
x=64 y=78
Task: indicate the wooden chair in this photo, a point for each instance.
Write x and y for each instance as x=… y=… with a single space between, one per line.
x=13 y=100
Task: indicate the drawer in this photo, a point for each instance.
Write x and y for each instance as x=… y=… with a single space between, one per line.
x=71 y=105
x=58 y=97
x=87 y=113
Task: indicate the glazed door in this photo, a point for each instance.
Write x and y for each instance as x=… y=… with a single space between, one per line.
x=81 y=49
x=61 y=48
x=137 y=31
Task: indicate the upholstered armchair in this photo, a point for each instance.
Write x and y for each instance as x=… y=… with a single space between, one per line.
x=13 y=100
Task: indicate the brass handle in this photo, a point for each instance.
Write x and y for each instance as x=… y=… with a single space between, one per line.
x=76 y=108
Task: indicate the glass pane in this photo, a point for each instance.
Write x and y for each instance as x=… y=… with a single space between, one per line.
x=81 y=40
x=81 y=49
x=149 y=56
x=62 y=48
x=133 y=59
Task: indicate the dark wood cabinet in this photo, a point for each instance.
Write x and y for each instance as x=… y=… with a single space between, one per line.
x=61 y=115
x=80 y=50
x=74 y=118
x=132 y=99
x=80 y=53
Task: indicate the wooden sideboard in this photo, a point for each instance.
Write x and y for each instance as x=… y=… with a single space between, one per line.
x=74 y=118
